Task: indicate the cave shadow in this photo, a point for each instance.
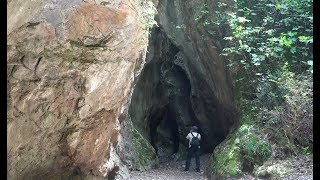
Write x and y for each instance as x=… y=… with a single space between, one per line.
x=166 y=118
x=169 y=108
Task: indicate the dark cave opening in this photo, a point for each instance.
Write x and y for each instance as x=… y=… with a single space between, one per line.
x=168 y=124
x=163 y=108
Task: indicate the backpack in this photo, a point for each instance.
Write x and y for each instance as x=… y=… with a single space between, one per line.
x=195 y=140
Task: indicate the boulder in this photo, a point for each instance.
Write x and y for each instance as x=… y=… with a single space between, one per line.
x=71 y=67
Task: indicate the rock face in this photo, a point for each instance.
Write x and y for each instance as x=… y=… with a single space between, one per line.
x=185 y=82
x=71 y=67
x=76 y=108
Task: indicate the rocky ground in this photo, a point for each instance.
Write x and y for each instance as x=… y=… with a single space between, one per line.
x=173 y=170
x=302 y=168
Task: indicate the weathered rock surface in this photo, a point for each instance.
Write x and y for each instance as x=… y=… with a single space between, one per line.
x=71 y=67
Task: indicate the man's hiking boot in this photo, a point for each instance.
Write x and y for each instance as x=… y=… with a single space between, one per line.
x=186 y=170
x=198 y=170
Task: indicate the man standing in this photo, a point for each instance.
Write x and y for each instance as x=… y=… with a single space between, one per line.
x=194 y=148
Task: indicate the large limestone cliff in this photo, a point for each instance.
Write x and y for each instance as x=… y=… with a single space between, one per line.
x=71 y=67
x=185 y=81
x=92 y=93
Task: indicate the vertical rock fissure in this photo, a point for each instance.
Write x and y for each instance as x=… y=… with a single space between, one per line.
x=161 y=108
x=166 y=121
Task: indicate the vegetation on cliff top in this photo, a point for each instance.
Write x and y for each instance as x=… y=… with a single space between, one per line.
x=268 y=48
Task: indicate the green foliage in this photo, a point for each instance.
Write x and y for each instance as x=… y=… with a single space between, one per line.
x=149 y=12
x=268 y=48
x=264 y=35
x=295 y=114
x=214 y=23
x=305 y=150
x=249 y=111
x=202 y=16
x=254 y=150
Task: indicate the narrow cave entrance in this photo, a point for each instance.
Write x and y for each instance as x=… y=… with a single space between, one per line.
x=164 y=132
x=169 y=123
x=163 y=107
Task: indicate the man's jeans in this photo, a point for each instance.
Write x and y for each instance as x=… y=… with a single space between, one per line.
x=193 y=150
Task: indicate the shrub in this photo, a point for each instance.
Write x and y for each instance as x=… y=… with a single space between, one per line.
x=254 y=150
x=297 y=117
x=294 y=114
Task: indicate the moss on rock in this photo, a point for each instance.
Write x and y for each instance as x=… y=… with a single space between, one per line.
x=146 y=155
x=241 y=149
x=226 y=159
x=254 y=150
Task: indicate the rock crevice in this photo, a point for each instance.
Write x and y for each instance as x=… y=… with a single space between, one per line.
x=185 y=82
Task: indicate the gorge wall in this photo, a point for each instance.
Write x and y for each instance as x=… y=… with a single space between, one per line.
x=71 y=67
x=185 y=82
x=85 y=99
